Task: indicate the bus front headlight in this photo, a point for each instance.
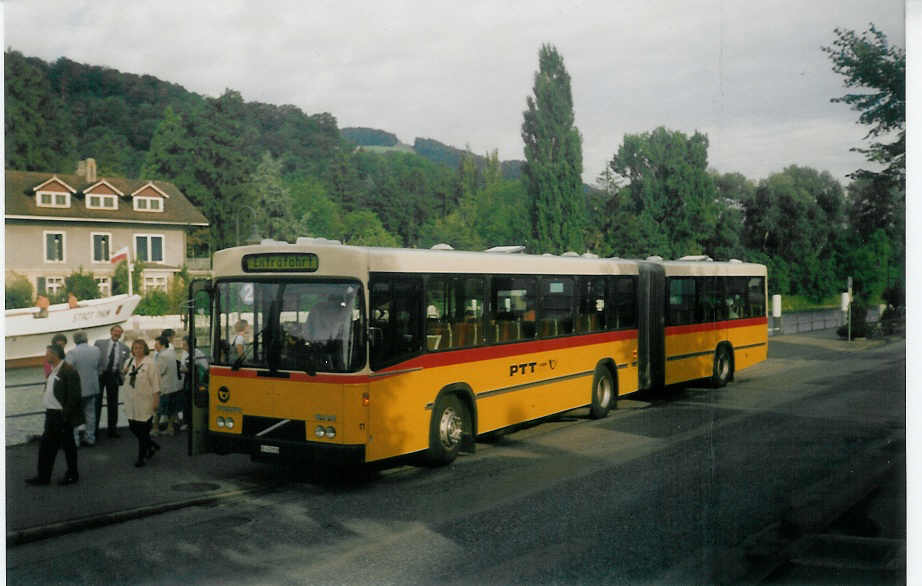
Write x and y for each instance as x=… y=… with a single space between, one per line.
x=220 y=421
x=320 y=432
x=331 y=432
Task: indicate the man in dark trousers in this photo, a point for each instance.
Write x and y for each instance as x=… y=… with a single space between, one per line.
x=112 y=356
x=63 y=412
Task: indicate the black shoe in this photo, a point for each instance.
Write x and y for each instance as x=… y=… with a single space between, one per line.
x=139 y=462
x=115 y=434
x=69 y=479
x=36 y=481
x=152 y=449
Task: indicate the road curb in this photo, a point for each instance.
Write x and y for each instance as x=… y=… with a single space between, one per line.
x=38 y=533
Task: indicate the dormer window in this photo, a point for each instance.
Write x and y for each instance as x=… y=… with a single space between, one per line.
x=102 y=202
x=148 y=204
x=149 y=198
x=53 y=199
x=53 y=193
x=102 y=196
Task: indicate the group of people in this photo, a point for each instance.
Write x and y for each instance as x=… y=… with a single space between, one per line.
x=153 y=386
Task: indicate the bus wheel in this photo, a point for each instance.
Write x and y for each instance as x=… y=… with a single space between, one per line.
x=450 y=421
x=603 y=392
x=723 y=367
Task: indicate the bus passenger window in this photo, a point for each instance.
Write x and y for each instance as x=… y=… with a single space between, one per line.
x=681 y=301
x=625 y=303
x=557 y=297
x=756 y=290
x=397 y=321
x=591 y=305
x=514 y=308
x=736 y=297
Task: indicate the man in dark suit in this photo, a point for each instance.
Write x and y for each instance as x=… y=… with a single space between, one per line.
x=112 y=356
x=63 y=412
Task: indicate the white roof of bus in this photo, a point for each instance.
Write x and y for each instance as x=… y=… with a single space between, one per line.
x=343 y=260
x=679 y=268
x=354 y=261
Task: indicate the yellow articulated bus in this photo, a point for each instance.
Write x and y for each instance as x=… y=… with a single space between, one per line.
x=320 y=351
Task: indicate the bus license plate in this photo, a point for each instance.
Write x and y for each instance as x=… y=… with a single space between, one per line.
x=269 y=449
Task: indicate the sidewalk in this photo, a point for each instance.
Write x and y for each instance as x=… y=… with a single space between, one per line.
x=112 y=490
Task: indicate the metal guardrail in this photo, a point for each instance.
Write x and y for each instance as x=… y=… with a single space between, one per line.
x=809 y=321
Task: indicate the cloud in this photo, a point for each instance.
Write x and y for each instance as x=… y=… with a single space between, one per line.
x=750 y=74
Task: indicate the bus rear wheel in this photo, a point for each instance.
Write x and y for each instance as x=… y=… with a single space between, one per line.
x=603 y=393
x=450 y=421
x=723 y=367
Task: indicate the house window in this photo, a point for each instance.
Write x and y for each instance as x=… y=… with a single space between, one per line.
x=54 y=246
x=52 y=286
x=101 y=202
x=53 y=199
x=155 y=283
x=148 y=247
x=104 y=284
x=148 y=204
x=101 y=247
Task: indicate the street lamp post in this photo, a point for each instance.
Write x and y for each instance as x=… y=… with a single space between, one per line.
x=254 y=237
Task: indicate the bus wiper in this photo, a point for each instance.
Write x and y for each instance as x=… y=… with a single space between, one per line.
x=246 y=351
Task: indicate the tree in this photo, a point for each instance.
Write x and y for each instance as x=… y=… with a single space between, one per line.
x=363 y=228
x=668 y=204
x=796 y=218
x=733 y=190
x=554 y=159
x=38 y=133
x=274 y=207
x=205 y=159
x=869 y=61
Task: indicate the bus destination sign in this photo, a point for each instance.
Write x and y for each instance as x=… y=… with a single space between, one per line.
x=280 y=262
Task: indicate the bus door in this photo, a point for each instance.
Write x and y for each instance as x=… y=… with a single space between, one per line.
x=199 y=348
x=651 y=340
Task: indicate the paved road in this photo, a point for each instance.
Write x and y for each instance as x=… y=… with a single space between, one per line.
x=690 y=486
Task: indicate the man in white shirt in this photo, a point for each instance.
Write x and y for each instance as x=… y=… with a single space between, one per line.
x=62 y=402
x=170 y=381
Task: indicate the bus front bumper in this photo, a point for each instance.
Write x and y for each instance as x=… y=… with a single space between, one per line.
x=275 y=450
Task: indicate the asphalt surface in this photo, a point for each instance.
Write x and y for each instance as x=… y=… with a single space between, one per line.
x=111 y=490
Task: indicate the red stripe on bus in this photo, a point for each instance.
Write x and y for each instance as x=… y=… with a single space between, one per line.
x=716 y=325
x=451 y=357
x=444 y=358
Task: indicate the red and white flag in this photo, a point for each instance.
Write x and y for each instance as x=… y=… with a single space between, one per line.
x=120 y=255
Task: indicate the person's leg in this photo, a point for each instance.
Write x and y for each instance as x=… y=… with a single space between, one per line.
x=47 y=449
x=112 y=407
x=98 y=407
x=70 y=452
x=89 y=410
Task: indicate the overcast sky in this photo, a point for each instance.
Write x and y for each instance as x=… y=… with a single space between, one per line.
x=749 y=74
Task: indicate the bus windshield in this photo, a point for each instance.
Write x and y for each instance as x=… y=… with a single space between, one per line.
x=290 y=325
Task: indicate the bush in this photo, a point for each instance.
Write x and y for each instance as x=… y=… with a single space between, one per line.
x=18 y=292
x=154 y=302
x=82 y=285
x=859 y=322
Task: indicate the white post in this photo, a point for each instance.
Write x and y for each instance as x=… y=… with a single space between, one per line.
x=776 y=313
x=130 y=279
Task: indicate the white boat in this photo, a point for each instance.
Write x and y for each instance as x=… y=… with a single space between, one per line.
x=27 y=335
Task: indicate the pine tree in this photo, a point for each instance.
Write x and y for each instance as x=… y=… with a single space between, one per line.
x=554 y=160
x=274 y=216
